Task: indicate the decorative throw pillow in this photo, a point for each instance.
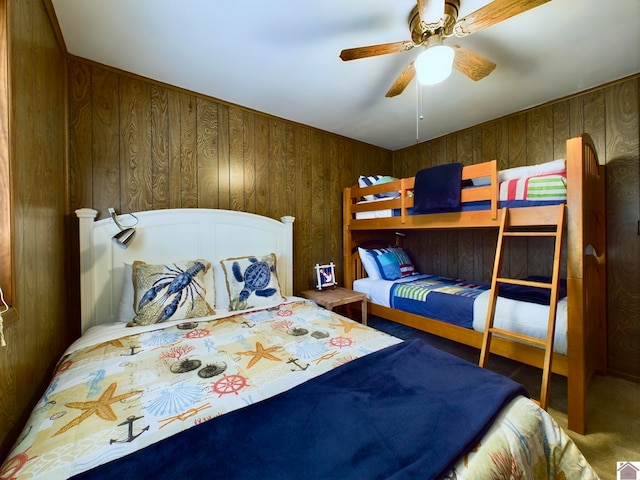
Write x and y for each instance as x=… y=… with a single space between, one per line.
x=252 y=282
x=388 y=265
x=404 y=262
x=168 y=292
x=127 y=308
x=364 y=181
x=373 y=265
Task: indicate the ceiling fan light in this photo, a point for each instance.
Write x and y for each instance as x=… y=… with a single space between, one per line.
x=434 y=65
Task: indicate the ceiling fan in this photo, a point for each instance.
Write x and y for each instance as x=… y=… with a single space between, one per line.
x=432 y=21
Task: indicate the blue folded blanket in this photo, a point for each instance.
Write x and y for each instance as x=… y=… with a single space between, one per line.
x=407 y=411
x=437 y=189
x=538 y=295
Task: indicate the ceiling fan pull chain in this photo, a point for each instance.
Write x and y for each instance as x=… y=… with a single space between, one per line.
x=419 y=114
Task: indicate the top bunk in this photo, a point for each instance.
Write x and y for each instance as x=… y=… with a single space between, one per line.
x=379 y=202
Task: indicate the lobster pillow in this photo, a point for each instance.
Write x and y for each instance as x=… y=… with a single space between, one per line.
x=252 y=282
x=172 y=291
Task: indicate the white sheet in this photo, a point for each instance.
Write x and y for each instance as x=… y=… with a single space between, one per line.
x=375 y=213
x=522 y=317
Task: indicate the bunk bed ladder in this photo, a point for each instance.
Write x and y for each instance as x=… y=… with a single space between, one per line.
x=542 y=222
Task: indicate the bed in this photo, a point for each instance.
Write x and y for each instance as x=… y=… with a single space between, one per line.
x=241 y=379
x=584 y=328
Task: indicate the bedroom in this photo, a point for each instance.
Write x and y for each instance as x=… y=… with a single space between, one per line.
x=46 y=188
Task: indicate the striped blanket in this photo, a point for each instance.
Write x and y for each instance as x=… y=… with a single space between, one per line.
x=542 y=187
x=447 y=299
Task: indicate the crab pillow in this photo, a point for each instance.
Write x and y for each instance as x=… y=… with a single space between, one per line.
x=167 y=292
x=252 y=282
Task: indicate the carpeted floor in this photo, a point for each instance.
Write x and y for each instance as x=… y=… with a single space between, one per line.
x=613 y=404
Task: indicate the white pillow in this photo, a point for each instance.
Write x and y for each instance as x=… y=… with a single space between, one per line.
x=126 y=309
x=369 y=264
x=554 y=166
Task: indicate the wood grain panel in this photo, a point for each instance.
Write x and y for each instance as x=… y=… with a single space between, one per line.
x=304 y=258
x=539 y=150
x=561 y=128
x=5 y=180
x=159 y=147
x=37 y=332
x=249 y=161
x=290 y=165
x=80 y=136
x=224 y=188
x=318 y=213
x=623 y=246
x=105 y=128
x=175 y=176
x=236 y=159
x=135 y=145
x=262 y=165
x=207 y=152
x=188 y=147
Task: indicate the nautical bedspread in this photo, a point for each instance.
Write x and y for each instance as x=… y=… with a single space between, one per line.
x=108 y=400
x=447 y=299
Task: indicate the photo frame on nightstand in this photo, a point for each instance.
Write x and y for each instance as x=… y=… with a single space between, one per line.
x=326 y=275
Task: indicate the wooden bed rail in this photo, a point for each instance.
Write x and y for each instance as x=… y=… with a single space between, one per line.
x=486 y=192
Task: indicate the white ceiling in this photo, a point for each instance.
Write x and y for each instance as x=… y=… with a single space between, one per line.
x=281 y=57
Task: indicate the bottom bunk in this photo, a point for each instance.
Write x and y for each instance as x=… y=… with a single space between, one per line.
x=457 y=309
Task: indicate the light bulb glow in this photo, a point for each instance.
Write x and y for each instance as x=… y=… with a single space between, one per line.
x=434 y=65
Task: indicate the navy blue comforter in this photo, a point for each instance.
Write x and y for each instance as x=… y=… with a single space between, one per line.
x=408 y=411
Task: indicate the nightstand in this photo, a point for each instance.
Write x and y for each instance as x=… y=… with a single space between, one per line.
x=334 y=297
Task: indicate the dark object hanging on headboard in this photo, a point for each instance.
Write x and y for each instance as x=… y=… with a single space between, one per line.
x=437 y=189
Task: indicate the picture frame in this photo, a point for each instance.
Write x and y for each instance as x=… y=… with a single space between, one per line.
x=326 y=275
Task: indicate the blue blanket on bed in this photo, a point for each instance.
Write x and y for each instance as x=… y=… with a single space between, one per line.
x=447 y=299
x=437 y=189
x=408 y=411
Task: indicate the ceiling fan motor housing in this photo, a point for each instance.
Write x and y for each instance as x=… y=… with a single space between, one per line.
x=421 y=31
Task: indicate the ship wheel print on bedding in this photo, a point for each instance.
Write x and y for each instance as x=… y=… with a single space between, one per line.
x=229 y=384
x=256 y=277
x=176 y=282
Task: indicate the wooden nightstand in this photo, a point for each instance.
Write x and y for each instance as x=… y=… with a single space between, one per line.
x=334 y=297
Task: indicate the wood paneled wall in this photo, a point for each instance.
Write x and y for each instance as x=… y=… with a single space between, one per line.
x=611 y=115
x=137 y=145
x=36 y=332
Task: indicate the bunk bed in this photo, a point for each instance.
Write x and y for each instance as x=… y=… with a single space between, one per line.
x=260 y=384
x=384 y=217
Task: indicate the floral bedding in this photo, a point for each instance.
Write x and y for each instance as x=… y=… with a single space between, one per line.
x=110 y=399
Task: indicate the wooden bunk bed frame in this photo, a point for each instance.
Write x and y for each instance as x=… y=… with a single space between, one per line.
x=585 y=257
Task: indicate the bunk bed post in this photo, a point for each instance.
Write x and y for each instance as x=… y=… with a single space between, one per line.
x=347 y=269
x=586 y=275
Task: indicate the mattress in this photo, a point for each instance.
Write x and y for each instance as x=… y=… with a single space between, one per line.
x=514 y=315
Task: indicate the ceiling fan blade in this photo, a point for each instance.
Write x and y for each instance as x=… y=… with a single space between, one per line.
x=471 y=64
x=493 y=13
x=402 y=81
x=375 y=50
x=431 y=13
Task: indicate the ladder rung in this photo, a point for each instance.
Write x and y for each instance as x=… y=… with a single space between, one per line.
x=518 y=336
x=525 y=283
x=530 y=234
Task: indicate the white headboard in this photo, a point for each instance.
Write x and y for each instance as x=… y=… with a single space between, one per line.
x=172 y=235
